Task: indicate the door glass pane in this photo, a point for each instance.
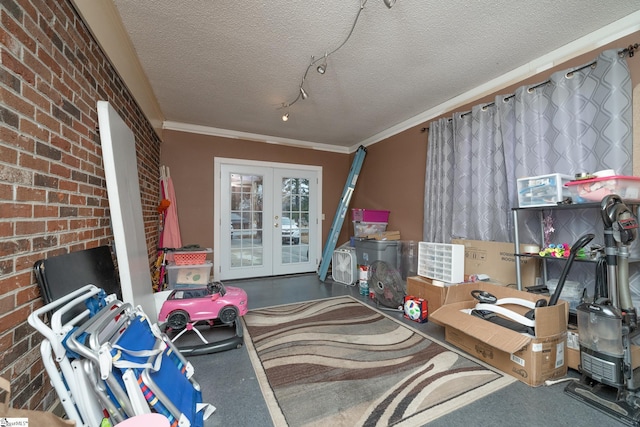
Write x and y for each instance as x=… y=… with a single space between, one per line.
x=246 y=220
x=295 y=220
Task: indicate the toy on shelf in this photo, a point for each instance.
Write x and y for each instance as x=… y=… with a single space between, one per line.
x=561 y=250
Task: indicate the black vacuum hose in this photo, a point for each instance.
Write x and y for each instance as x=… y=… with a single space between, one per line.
x=579 y=244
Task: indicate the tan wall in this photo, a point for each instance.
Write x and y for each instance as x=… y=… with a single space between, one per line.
x=190 y=158
x=392 y=178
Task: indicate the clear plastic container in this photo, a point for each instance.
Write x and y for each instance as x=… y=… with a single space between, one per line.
x=571 y=292
x=364 y=229
x=188 y=275
x=600 y=330
x=542 y=190
x=595 y=189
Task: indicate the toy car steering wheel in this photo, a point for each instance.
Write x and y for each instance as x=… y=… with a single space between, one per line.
x=484 y=296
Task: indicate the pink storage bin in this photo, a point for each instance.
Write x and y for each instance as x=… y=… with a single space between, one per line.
x=369 y=215
x=595 y=189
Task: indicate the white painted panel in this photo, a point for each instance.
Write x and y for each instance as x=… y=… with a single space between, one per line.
x=123 y=188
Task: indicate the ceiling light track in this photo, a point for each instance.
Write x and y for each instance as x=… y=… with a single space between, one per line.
x=322 y=67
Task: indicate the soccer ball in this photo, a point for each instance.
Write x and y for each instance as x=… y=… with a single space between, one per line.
x=412 y=309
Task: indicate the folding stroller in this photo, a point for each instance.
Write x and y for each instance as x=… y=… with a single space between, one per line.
x=113 y=359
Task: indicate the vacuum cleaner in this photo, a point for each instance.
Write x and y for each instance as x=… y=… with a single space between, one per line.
x=608 y=324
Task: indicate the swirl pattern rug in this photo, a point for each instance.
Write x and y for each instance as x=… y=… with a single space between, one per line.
x=339 y=362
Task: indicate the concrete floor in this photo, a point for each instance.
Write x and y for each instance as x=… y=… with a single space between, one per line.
x=228 y=380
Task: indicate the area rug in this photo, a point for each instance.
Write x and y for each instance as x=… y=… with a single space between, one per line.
x=339 y=362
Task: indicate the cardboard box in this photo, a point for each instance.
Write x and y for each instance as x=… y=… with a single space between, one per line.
x=496 y=260
x=385 y=235
x=532 y=360
x=423 y=287
x=573 y=348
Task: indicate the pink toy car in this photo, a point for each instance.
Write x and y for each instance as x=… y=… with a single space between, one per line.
x=216 y=301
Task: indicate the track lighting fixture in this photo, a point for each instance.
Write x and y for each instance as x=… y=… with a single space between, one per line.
x=322 y=68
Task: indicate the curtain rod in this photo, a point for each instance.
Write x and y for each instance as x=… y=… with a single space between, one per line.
x=627 y=51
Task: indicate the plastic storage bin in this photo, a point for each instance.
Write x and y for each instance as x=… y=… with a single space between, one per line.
x=369 y=215
x=542 y=190
x=368 y=251
x=571 y=292
x=408 y=258
x=194 y=257
x=595 y=189
x=364 y=229
x=181 y=276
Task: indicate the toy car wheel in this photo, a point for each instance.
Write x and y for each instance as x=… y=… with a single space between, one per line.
x=178 y=319
x=228 y=315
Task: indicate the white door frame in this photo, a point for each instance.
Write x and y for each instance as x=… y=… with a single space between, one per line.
x=218 y=162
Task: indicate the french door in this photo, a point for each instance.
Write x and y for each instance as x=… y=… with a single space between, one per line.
x=267 y=219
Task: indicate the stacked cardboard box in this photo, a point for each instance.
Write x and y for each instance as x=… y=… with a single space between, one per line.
x=496 y=260
x=423 y=287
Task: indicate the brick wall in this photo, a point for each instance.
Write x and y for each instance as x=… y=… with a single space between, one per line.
x=53 y=197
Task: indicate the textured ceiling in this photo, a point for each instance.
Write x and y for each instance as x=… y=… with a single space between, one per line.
x=229 y=65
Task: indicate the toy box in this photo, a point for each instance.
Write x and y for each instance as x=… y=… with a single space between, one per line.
x=416 y=309
x=531 y=359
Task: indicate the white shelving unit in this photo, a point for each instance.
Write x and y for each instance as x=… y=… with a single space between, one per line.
x=441 y=261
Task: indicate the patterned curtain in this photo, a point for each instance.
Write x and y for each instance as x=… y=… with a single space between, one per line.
x=578 y=121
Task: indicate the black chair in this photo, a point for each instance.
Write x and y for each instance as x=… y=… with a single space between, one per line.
x=62 y=274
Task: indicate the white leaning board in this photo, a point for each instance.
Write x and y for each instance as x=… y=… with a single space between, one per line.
x=123 y=189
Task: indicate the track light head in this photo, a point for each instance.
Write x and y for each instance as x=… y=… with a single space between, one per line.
x=322 y=68
x=389 y=3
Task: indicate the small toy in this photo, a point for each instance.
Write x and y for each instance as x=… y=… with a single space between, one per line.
x=562 y=250
x=415 y=309
x=186 y=306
